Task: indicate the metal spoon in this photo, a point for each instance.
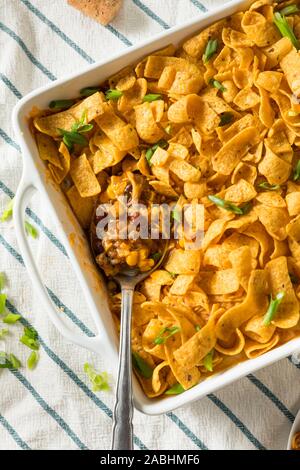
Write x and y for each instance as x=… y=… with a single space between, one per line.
x=122 y=430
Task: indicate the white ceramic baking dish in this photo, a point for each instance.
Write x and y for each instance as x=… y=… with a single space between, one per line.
x=294 y=430
x=35 y=177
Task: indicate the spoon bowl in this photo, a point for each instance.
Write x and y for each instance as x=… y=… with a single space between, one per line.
x=128 y=278
x=133 y=276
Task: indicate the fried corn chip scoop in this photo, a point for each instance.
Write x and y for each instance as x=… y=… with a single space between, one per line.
x=127 y=278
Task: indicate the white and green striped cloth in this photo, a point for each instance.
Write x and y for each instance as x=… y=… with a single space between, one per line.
x=53 y=407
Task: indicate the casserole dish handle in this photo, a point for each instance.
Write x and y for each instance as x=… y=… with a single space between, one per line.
x=24 y=193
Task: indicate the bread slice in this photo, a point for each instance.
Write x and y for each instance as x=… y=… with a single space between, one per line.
x=102 y=11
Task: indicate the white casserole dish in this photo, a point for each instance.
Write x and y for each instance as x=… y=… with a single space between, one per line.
x=295 y=429
x=35 y=177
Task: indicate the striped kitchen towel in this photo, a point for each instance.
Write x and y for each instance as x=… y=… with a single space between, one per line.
x=54 y=407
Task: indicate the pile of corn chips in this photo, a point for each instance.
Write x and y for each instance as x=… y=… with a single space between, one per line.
x=226 y=105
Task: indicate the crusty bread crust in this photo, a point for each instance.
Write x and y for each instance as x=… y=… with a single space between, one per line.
x=102 y=11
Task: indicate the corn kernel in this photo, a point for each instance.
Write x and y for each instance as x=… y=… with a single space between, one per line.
x=181 y=243
x=144 y=268
x=143 y=253
x=146 y=264
x=110 y=192
x=132 y=259
x=141 y=264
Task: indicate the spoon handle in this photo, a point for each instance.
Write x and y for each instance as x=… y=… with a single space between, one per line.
x=122 y=434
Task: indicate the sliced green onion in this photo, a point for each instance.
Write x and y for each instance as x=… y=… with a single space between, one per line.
x=82 y=126
x=8 y=211
x=61 y=104
x=156 y=256
x=285 y=29
x=161 y=143
x=175 y=214
x=9 y=361
x=175 y=390
x=296 y=174
x=246 y=208
x=229 y=206
x=149 y=155
x=268 y=187
x=33 y=360
x=98 y=380
x=3 y=332
x=173 y=275
x=208 y=361
x=217 y=84
x=197 y=327
x=2 y=281
x=161 y=339
x=16 y=364
x=273 y=307
x=150 y=151
x=74 y=136
x=85 y=128
x=30 y=343
x=289 y=10
x=30 y=339
x=226 y=118
x=70 y=138
x=152 y=97
x=141 y=366
x=113 y=95
x=4 y=363
x=82 y=120
x=90 y=90
x=210 y=50
x=11 y=318
x=31 y=230
x=3 y=298
x=31 y=332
